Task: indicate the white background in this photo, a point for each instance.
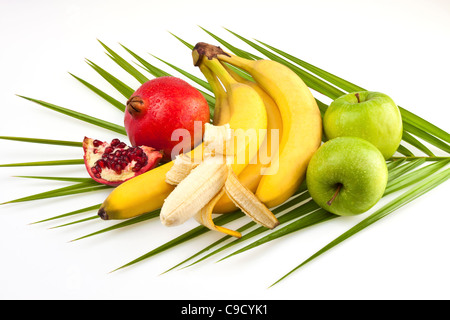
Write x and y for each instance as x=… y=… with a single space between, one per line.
x=400 y=48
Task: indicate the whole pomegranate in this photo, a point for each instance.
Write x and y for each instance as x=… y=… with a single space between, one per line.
x=159 y=107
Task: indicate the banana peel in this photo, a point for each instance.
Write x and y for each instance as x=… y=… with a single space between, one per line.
x=197 y=192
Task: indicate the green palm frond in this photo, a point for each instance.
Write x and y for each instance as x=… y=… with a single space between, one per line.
x=80 y=116
x=124 y=89
x=418 y=190
x=410 y=175
x=116 y=103
x=68 y=214
x=45 y=141
x=44 y=163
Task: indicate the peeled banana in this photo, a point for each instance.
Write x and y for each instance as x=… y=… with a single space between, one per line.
x=203 y=185
x=194 y=192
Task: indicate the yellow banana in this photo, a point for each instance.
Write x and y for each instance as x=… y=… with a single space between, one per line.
x=252 y=174
x=248 y=115
x=144 y=193
x=302 y=125
x=222 y=112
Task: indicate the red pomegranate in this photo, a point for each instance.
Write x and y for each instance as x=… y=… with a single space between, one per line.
x=115 y=162
x=158 y=108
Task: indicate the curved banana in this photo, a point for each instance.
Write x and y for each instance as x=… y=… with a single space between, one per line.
x=222 y=112
x=252 y=174
x=248 y=117
x=144 y=193
x=302 y=125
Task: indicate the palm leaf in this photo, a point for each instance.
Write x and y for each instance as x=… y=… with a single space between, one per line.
x=80 y=116
x=96 y=217
x=311 y=81
x=190 y=76
x=292 y=213
x=44 y=141
x=311 y=219
x=308 y=208
x=350 y=87
x=221 y=220
x=125 y=65
x=322 y=216
x=64 y=191
x=45 y=163
x=69 y=179
x=405 y=151
x=413 y=177
x=416 y=143
x=68 y=214
x=415 y=192
x=124 y=89
x=156 y=72
x=116 y=103
x=183 y=238
x=129 y=222
x=419 y=126
x=233 y=49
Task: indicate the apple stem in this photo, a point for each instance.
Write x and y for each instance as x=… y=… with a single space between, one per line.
x=357 y=97
x=329 y=202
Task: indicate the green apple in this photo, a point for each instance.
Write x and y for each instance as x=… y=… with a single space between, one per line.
x=347 y=176
x=372 y=116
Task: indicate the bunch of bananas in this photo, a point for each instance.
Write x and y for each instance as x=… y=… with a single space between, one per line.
x=274 y=102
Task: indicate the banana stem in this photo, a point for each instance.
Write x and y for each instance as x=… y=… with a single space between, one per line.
x=216 y=87
x=235 y=61
x=219 y=70
x=234 y=74
x=221 y=112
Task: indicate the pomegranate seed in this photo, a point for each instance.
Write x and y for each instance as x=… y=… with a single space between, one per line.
x=115 y=142
x=97 y=143
x=118 y=168
x=139 y=152
x=121 y=145
x=94 y=171
x=137 y=167
x=101 y=163
x=108 y=150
